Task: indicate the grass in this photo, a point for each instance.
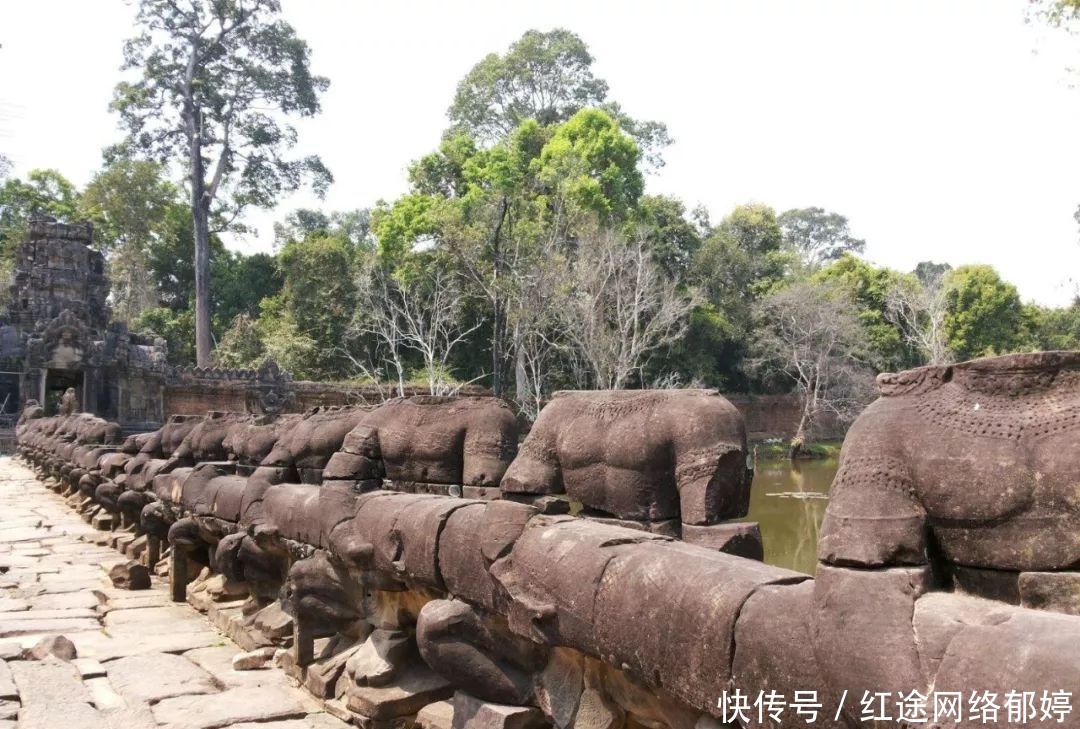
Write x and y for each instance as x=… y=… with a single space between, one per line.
x=777 y=448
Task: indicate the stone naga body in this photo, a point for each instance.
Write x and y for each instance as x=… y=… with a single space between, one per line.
x=946 y=562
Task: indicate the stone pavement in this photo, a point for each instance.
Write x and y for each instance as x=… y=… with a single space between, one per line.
x=143 y=661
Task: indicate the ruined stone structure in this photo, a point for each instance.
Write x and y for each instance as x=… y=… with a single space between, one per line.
x=56 y=334
x=56 y=339
x=948 y=557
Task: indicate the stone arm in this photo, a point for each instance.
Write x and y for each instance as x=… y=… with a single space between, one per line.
x=490 y=445
x=873 y=566
x=710 y=460
x=536 y=468
x=873 y=518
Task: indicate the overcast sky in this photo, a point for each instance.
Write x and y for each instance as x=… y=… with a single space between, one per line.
x=943 y=130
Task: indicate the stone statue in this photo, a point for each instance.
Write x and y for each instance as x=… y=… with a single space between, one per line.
x=69 y=404
x=669 y=461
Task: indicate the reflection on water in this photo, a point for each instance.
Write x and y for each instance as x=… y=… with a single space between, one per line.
x=788 y=499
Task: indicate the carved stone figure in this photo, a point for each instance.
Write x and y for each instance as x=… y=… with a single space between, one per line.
x=660 y=458
x=967 y=466
x=69 y=402
x=529 y=619
x=425 y=442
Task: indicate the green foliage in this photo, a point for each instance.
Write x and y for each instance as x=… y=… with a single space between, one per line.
x=316 y=301
x=985 y=315
x=241 y=345
x=172 y=260
x=352 y=226
x=543 y=76
x=129 y=202
x=674 y=239
x=868 y=286
x=217 y=79
x=819 y=237
x=546 y=77
x=176 y=327
x=593 y=164
x=930 y=273
x=284 y=342
x=1052 y=329
x=45 y=192
x=223 y=68
x=742 y=259
x=241 y=282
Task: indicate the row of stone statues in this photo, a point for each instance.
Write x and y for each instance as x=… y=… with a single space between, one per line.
x=592 y=577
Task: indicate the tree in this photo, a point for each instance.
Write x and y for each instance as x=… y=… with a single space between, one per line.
x=929 y=272
x=1052 y=328
x=217 y=77
x=241 y=346
x=546 y=77
x=985 y=316
x=492 y=213
x=317 y=299
x=818 y=236
x=133 y=208
x=591 y=168
x=673 y=239
x=243 y=282
x=352 y=226
x=810 y=334
x=45 y=192
x=918 y=309
x=176 y=327
x=740 y=260
x=620 y=308
x=418 y=315
x=868 y=289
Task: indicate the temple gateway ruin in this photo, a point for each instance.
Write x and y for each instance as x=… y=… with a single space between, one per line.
x=56 y=335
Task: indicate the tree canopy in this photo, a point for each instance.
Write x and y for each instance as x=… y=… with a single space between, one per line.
x=215 y=82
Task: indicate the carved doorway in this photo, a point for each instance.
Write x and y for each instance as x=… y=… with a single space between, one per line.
x=57 y=381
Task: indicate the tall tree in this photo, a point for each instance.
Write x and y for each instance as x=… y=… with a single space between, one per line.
x=620 y=308
x=545 y=76
x=808 y=332
x=134 y=208
x=985 y=315
x=45 y=192
x=818 y=236
x=218 y=78
x=868 y=288
x=918 y=310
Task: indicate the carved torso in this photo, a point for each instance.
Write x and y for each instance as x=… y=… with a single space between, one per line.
x=430 y=439
x=638 y=454
x=982 y=453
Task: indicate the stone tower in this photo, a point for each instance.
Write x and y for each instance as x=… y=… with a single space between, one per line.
x=56 y=333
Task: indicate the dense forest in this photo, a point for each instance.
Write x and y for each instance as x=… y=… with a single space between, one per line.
x=525 y=257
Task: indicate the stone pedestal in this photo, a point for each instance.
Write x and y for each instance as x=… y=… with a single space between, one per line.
x=743 y=539
x=472 y=713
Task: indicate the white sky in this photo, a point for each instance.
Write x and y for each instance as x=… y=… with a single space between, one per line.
x=943 y=130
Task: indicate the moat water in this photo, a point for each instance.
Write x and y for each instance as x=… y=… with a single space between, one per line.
x=788 y=498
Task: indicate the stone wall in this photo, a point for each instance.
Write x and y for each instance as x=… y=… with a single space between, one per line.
x=776 y=416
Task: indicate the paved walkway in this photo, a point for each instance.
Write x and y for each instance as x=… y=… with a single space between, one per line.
x=143 y=661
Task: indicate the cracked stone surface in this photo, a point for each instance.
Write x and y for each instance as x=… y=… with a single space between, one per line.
x=143 y=661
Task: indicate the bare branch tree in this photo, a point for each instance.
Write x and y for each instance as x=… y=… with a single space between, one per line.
x=919 y=311
x=810 y=334
x=620 y=308
x=421 y=315
x=535 y=325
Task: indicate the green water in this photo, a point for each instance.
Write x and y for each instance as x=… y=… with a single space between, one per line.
x=788 y=499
